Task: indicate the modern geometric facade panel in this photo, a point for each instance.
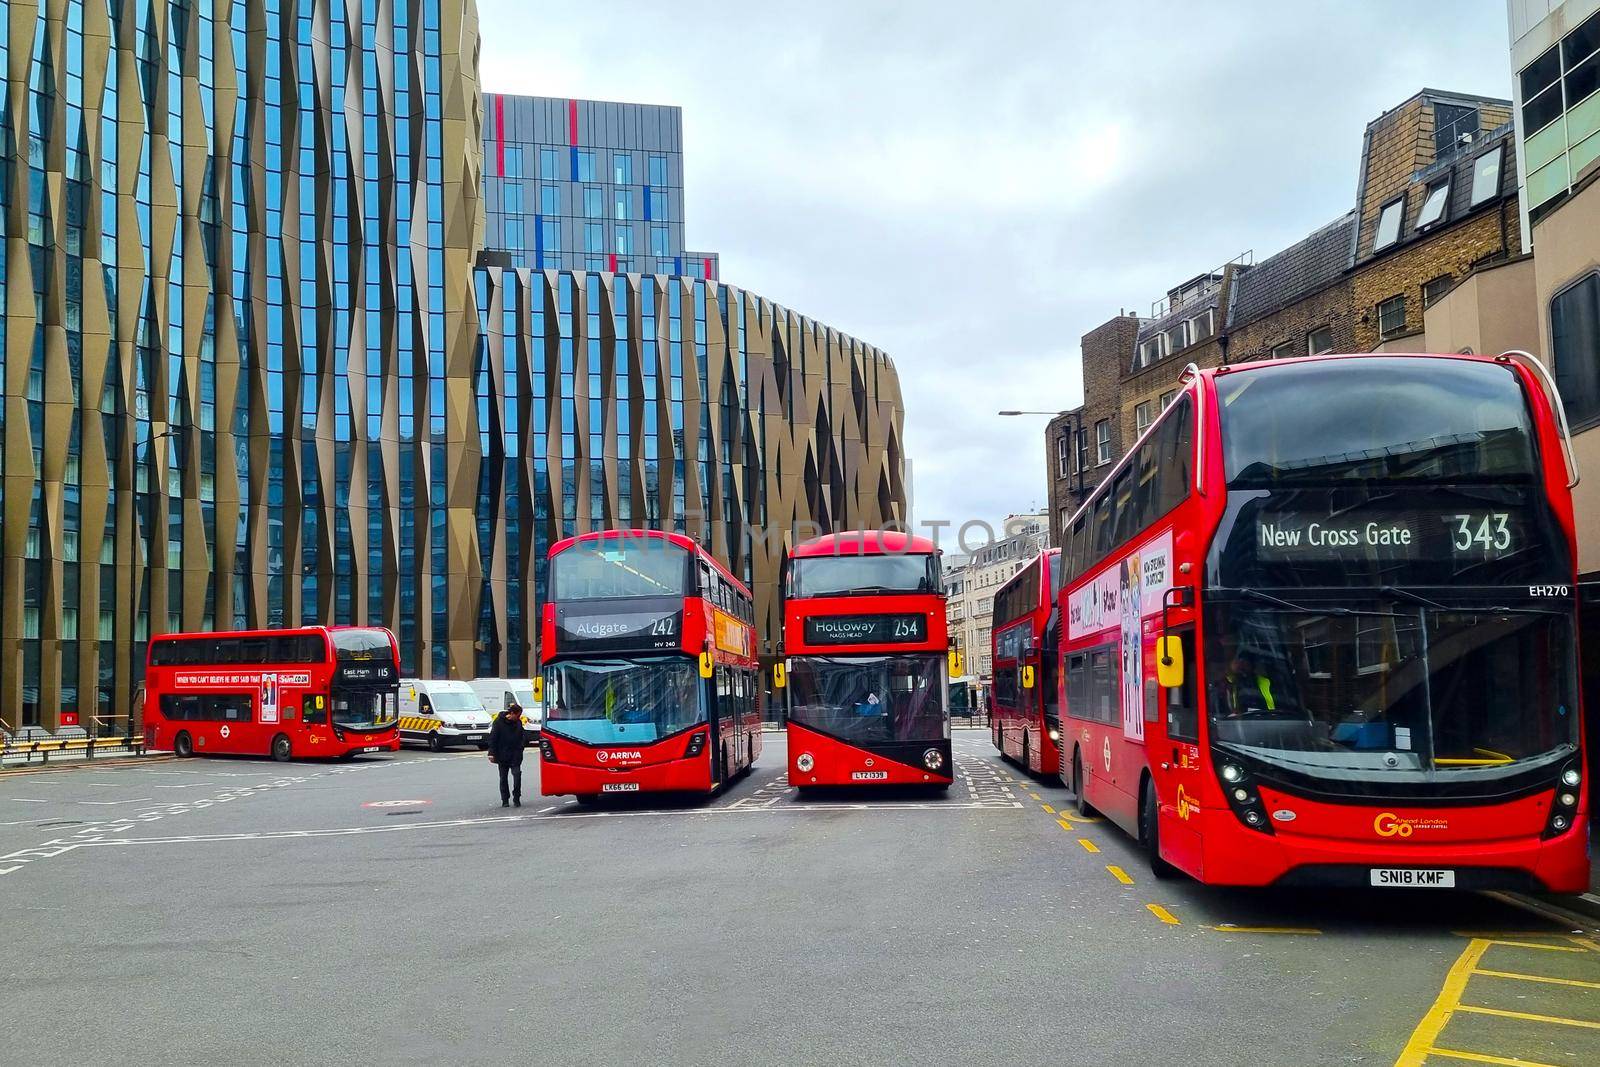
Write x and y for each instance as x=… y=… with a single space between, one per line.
x=609 y=401
x=587 y=185
x=239 y=330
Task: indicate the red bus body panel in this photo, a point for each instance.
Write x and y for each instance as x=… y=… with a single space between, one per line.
x=1198 y=831
x=662 y=767
x=1020 y=730
x=291 y=684
x=838 y=762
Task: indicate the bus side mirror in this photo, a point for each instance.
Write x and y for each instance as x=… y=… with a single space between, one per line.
x=1027 y=677
x=779 y=676
x=707 y=667
x=1169 y=662
x=955 y=663
x=538 y=689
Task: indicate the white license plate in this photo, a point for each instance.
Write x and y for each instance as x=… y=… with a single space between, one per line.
x=1411 y=877
x=371 y=748
x=869 y=776
x=474 y=737
x=620 y=787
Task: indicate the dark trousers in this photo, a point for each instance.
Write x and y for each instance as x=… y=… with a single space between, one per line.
x=509 y=790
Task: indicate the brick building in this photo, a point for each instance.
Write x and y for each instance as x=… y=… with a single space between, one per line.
x=1436 y=202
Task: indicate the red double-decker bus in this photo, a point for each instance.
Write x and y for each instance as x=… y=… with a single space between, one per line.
x=650 y=668
x=1025 y=657
x=322 y=691
x=1321 y=629
x=866 y=646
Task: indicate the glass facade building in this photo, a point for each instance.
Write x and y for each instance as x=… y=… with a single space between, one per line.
x=256 y=376
x=587 y=185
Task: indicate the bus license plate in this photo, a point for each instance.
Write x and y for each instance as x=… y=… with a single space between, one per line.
x=869 y=776
x=1410 y=877
x=620 y=787
x=371 y=748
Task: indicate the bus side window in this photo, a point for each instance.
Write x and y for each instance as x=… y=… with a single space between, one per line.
x=1183 y=710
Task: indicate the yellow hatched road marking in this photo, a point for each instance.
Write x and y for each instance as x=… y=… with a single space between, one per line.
x=1163 y=914
x=1482 y=1057
x=1432 y=1025
x=1048 y=808
x=1119 y=874
x=1540 y=978
x=1088 y=846
x=1535 y=944
x=1587 y=1024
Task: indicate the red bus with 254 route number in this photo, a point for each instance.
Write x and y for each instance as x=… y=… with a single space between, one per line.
x=650 y=669
x=1321 y=629
x=867 y=650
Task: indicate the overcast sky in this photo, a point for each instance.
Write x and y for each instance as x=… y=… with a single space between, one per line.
x=972 y=187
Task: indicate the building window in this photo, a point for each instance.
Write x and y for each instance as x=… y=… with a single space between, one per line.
x=658 y=204
x=1283 y=351
x=1149 y=352
x=1453 y=126
x=593 y=203
x=1064 y=455
x=624 y=240
x=1102 y=441
x=1083 y=449
x=658 y=242
x=585 y=167
x=1178 y=337
x=621 y=202
x=549 y=200
x=513 y=235
x=658 y=170
x=511 y=198
x=1434 y=288
x=621 y=168
x=513 y=162
x=1433 y=207
x=550 y=164
x=1319 y=341
x=1168 y=397
x=1389 y=224
x=1201 y=326
x=1575 y=346
x=594 y=237
x=1486 y=176
x=1142 y=414
x=1392 y=316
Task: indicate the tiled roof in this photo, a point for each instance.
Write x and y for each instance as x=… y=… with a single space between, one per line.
x=1303 y=268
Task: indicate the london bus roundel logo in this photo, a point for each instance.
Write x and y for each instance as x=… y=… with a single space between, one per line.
x=224 y=730
x=1106 y=753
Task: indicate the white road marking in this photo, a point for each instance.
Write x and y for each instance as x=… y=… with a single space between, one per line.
x=113 y=803
x=29 y=800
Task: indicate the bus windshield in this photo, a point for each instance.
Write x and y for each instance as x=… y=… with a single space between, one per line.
x=848 y=575
x=1374 y=692
x=619 y=567
x=607 y=702
x=365 y=709
x=1342 y=421
x=870 y=698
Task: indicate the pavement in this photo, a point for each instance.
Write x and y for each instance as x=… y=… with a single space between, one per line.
x=390 y=910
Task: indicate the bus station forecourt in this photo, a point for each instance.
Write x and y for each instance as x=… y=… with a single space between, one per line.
x=1285 y=748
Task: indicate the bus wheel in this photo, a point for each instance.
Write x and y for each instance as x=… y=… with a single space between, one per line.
x=434 y=744
x=280 y=748
x=1150 y=832
x=1080 y=803
x=1027 y=763
x=183 y=745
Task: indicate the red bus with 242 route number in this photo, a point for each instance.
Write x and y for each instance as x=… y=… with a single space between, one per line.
x=650 y=669
x=1321 y=629
x=316 y=691
x=867 y=661
x=1024 y=718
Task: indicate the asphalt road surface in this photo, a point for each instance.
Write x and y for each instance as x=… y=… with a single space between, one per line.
x=388 y=910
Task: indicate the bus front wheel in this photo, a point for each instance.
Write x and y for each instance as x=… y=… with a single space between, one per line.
x=280 y=748
x=183 y=745
x=1150 y=832
x=1080 y=803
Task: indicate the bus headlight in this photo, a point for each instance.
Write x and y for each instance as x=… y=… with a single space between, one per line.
x=1559 y=822
x=1568 y=799
x=1232 y=772
x=805 y=761
x=1242 y=795
x=1055 y=735
x=697 y=745
x=1570 y=778
x=933 y=759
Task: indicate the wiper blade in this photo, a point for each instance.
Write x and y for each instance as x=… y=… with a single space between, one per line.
x=1415 y=598
x=1268 y=598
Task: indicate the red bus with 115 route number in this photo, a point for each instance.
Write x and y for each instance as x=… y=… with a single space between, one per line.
x=867 y=659
x=1321 y=629
x=650 y=670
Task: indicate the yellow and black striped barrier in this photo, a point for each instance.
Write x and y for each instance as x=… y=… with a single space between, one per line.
x=418 y=724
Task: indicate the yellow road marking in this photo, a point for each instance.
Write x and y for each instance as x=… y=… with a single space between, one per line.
x=1034 y=795
x=1048 y=808
x=1432 y=1025
x=1535 y=944
x=1482 y=1057
x=1540 y=978
x=1063 y=823
x=1587 y=1024
x=1495 y=935
x=1163 y=914
x=1119 y=874
x=1088 y=846
x=1230 y=928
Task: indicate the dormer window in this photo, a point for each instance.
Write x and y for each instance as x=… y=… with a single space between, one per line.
x=1150 y=352
x=1178 y=337
x=1389 y=224
x=1433 y=207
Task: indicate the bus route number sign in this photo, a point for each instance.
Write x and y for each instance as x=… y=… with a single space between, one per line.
x=865 y=629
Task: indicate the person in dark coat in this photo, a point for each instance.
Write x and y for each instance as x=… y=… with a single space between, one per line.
x=505 y=751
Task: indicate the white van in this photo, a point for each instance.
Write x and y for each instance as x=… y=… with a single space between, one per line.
x=440 y=713
x=496 y=693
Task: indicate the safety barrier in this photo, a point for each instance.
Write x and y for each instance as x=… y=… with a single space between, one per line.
x=23 y=750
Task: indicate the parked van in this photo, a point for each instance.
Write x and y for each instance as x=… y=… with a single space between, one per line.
x=496 y=693
x=440 y=713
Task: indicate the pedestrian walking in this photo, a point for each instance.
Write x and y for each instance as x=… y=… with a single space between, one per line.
x=505 y=751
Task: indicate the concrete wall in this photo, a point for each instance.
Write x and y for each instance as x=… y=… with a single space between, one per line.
x=1490 y=311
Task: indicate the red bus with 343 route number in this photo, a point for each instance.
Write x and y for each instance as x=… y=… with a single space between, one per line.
x=650 y=669
x=1321 y=629
x=1024 y=657
x=867 y=687
x=316 y=691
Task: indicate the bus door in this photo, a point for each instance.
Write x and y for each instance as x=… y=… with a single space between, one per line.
x=1176 y=763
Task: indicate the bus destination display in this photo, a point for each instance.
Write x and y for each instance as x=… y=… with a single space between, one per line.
x=1391 y=535
x=865 y=629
